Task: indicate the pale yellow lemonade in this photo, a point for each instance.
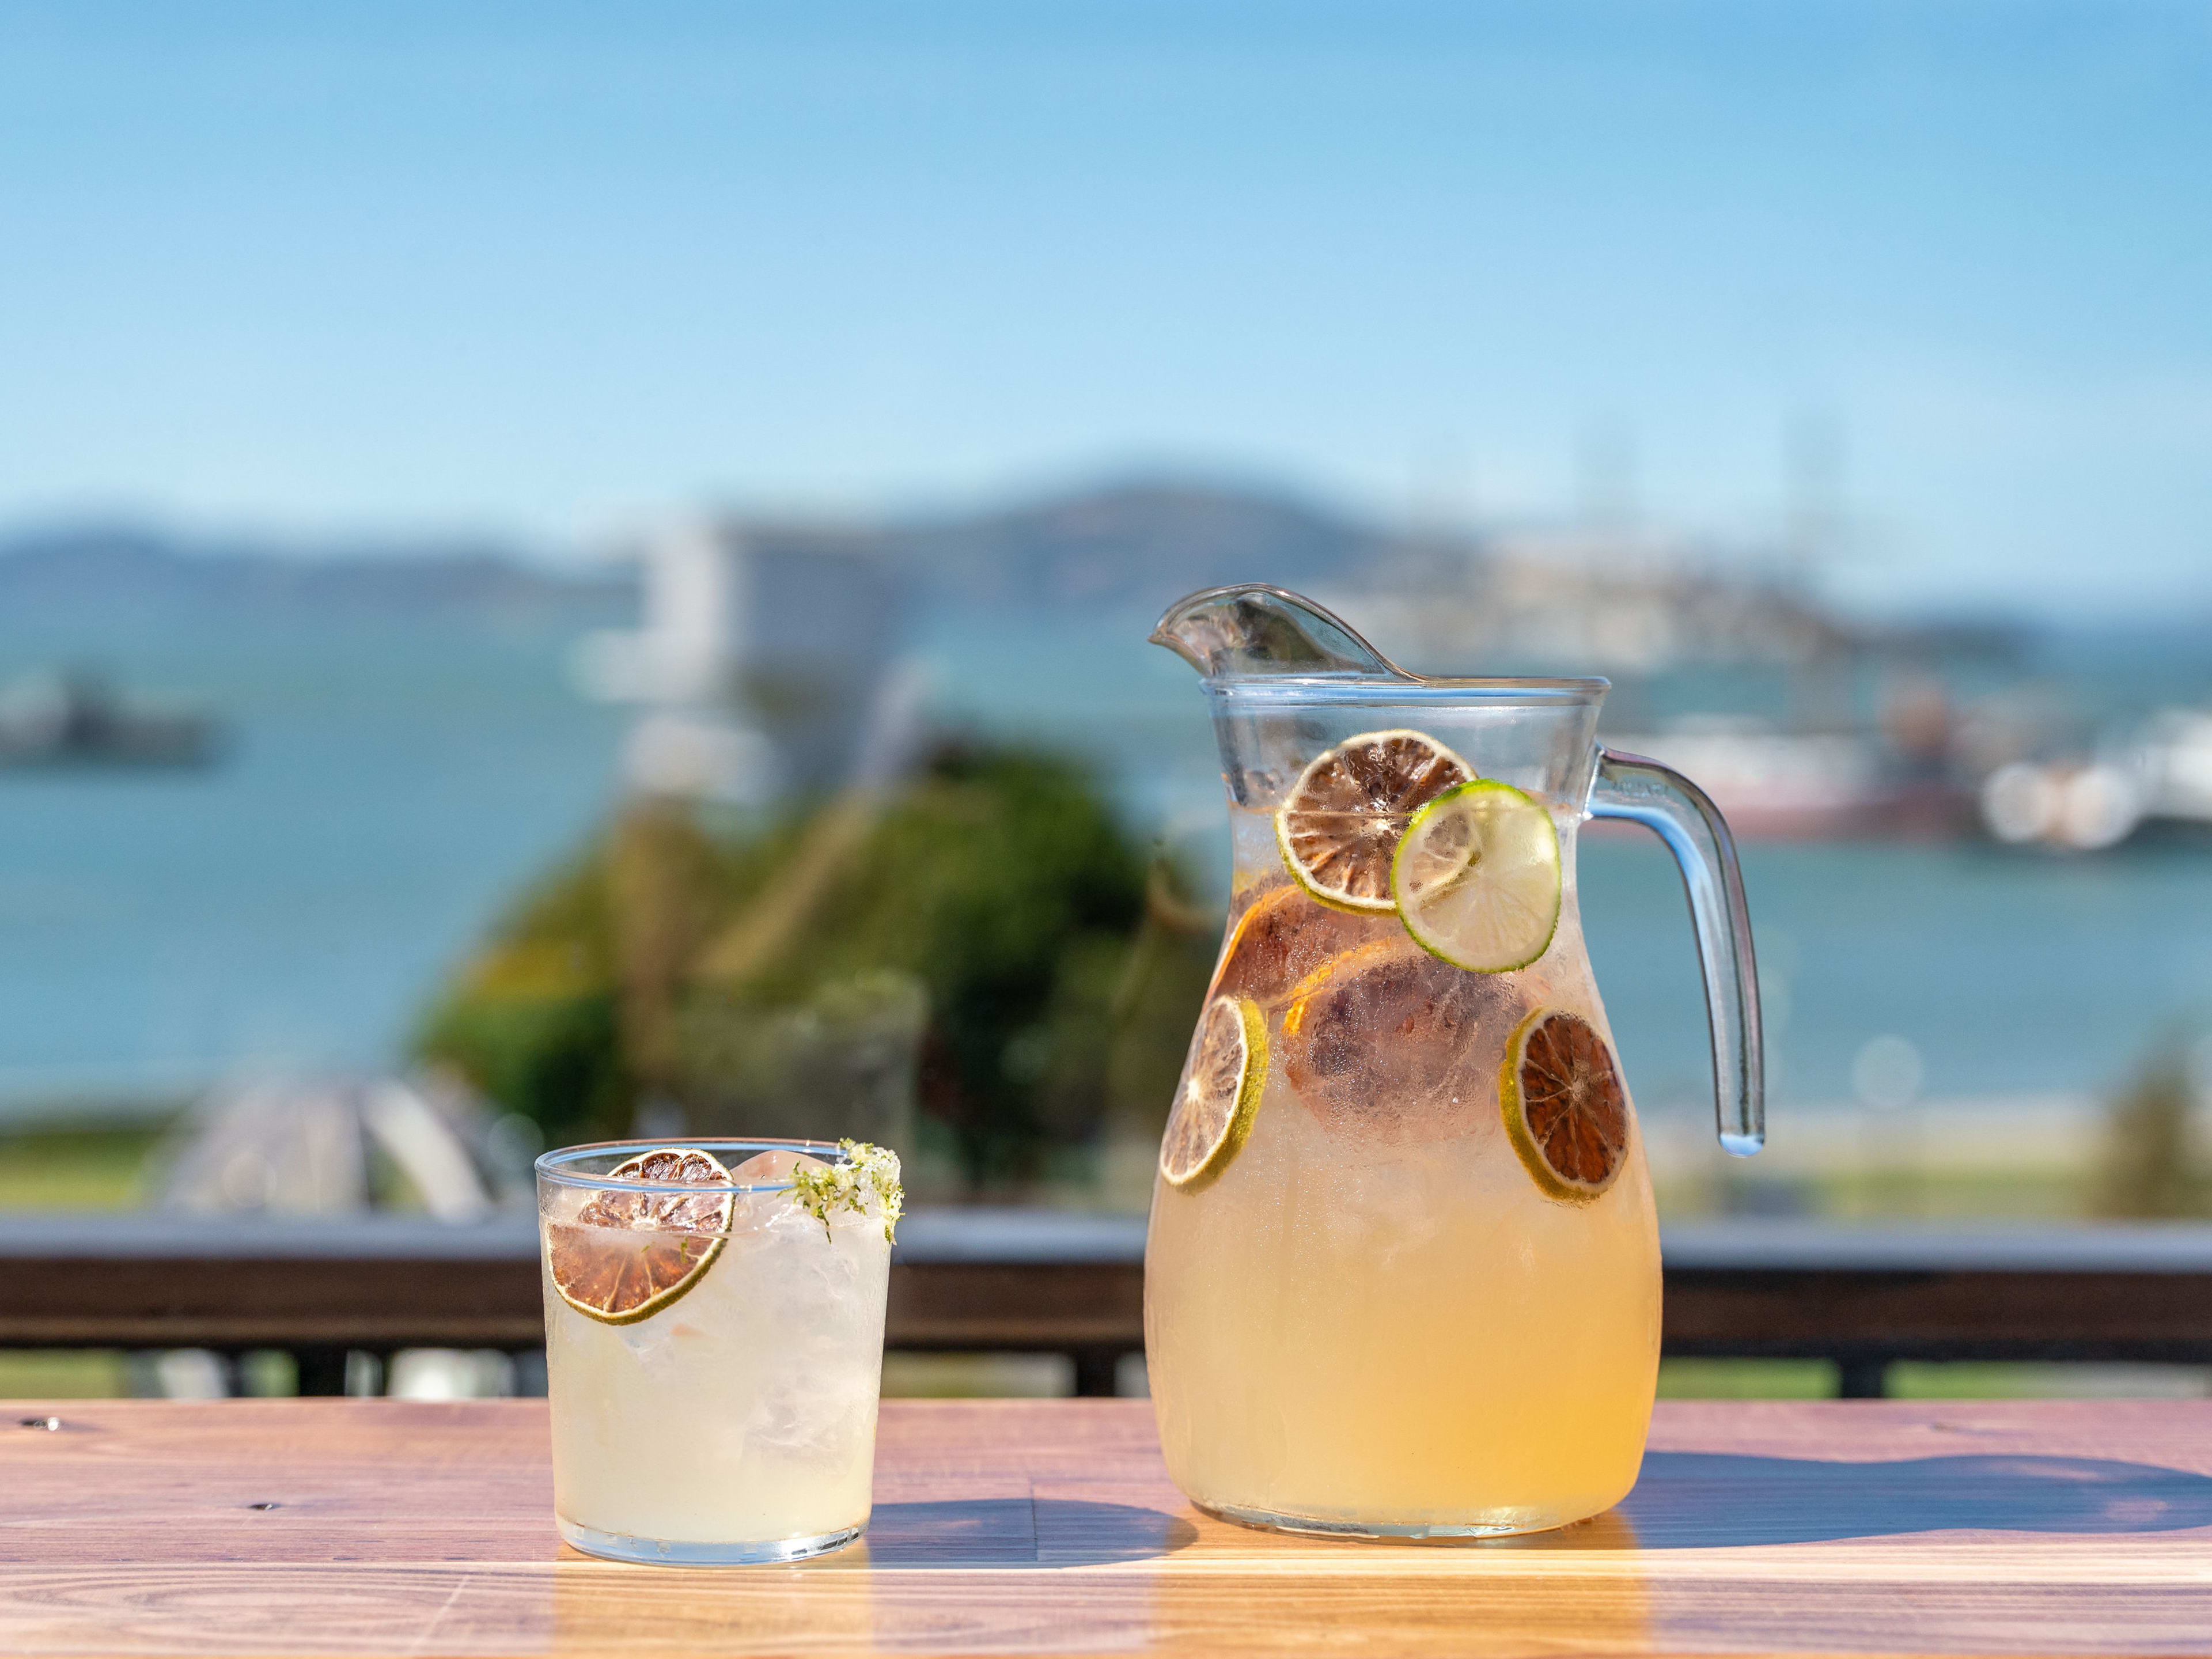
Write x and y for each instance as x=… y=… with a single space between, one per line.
x=743 y=1411
x=1373 y=1317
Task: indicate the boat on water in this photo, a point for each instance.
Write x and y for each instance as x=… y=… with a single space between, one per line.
x=57 y=719
x=1808 y=786
x=2157 y=773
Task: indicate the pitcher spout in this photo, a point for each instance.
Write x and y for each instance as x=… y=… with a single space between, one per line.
x=1253 y=631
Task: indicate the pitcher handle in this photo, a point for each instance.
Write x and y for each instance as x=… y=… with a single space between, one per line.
x=1662 y=800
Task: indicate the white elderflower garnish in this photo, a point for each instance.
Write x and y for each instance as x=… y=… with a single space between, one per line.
x=866 y=1169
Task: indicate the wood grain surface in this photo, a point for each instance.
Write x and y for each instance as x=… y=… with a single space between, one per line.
x=372 y=1527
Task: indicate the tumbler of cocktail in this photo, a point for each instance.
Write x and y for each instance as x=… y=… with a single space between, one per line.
x=713 y=1345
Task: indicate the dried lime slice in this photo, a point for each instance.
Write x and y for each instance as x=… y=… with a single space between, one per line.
x=1476 y=877
x=1220 y=1095
x=627 y=1256
x=1339 y=825
x=1565 y=1111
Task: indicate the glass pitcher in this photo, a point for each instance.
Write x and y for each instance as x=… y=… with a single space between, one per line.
x=1402 y=1274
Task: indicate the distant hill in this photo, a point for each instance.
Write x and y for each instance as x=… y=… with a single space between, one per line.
x=1548 y=597
x=124 y=571
x=1138 y=544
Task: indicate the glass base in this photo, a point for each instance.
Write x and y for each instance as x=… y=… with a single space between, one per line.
x=662 y=1553
x=1378 y=1532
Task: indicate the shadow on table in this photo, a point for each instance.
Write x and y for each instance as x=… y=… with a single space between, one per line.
x=1701 y=1499
x=1009 y=1532
x=1686 y=1500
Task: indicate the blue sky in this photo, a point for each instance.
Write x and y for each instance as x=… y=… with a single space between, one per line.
x=541 y=269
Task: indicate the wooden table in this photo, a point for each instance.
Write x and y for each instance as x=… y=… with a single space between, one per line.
x=329 y=1527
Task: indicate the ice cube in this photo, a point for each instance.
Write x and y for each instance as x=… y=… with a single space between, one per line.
x=769 y=1169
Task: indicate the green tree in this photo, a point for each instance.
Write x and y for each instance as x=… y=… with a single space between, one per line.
x=996 y=880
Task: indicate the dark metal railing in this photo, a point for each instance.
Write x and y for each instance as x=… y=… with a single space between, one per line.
x=1041 y=1281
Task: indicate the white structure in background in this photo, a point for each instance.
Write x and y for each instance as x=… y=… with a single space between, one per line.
x=345 y=1145
x=683 y=668
x=1614 y=601
x=2173 y=765
x=306 y=1146
x=759 y=666
x=2162 y=771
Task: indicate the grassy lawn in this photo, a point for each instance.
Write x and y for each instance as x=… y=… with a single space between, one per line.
x=1747 y=1379
x=39 y=1373
x=1917 y=1380
x=1815 y=1379
x=90 y=1375
x=94 y=1169
x=99 y=1169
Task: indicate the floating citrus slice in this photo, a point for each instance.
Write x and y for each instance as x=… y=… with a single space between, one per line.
x=1220 y=1095
x=1390 y=1043
x=627 y=1256
x=1476 y=877
x=1339 y=825
x=1565 y=1111
x=1283 y=936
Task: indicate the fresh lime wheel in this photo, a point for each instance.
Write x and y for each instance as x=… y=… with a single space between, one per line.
x=1565 y=1111
x=1476 y=877
x=1220 y=1095
x=627 y=1256
x=1340 y=822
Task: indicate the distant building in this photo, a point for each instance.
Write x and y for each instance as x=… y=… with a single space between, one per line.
x=757 y=670
x=1602 y=602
